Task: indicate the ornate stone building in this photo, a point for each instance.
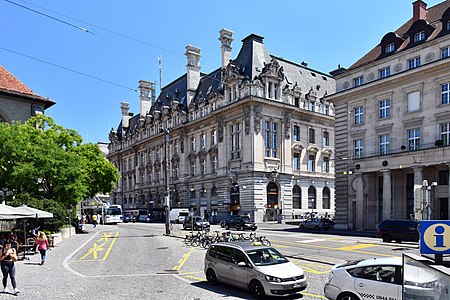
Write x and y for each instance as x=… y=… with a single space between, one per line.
x=17 y=101
x=253 y=136
x=393 y=125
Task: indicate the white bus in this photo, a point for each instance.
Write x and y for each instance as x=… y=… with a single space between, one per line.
x=113 y=214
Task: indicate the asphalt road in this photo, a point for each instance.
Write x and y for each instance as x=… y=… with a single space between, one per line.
x=137 y=261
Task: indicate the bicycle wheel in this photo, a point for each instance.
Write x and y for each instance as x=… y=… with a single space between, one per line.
x=266 y=242
x=206 y=243
x=188 y=240
x=195 y=241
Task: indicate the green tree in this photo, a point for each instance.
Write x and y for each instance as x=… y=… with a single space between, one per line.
x=41 y=160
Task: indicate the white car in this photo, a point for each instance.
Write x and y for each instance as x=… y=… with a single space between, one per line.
x=378 y=278
x=260 y=269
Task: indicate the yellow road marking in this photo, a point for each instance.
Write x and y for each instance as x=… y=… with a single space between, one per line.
x=313 y=295
x=196 y=278
x=310 y=270
x=354 y=247
x=94 y=250
x=280 y=246
x=183 y=260
x=105 y=236
x=331 y=248
x=110 y=246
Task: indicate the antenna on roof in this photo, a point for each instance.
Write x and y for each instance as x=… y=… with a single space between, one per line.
x=160 y=73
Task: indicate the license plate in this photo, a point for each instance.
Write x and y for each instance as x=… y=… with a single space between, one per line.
x=296 y=285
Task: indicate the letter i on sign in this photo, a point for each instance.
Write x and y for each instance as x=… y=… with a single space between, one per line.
x=439 y=237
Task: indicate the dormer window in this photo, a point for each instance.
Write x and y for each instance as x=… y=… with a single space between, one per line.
x=358 y=81
x=389 y=48
x=420 y=36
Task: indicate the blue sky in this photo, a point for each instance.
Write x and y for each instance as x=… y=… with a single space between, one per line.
x=128 y=37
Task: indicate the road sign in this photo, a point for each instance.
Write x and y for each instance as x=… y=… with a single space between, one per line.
x=434 y=237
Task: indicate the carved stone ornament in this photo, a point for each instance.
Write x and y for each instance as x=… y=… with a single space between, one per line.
x=220 y=129
x=287 y=125
x=247 y=119
x=273 y=69
x=398 y=67
x=257 y=118
x=273 y=176
x=346 y=85
x=232 y=178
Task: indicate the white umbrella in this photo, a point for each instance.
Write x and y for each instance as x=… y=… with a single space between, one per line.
x=37 y=213
x=10 y=213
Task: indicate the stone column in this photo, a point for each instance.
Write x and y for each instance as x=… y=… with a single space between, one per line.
x=418 y=178
x=387 y=197
x=359 y=185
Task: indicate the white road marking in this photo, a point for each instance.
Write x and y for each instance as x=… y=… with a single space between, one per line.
x=311 y=241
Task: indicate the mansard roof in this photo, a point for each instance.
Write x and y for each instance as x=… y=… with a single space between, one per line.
x=433 y=23
x=174 y=91
x=10 y=85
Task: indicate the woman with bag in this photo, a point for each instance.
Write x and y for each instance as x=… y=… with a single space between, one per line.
x=8 y=257
x=42 y=242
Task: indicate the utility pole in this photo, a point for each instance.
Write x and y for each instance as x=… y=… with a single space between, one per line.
x=166 y=180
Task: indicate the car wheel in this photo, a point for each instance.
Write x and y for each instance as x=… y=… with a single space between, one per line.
x=399 y=241
x=257 y=289
x=184 y=226
x=227 y=227
x=387 y=238
x=302 y=227
x=316 y=227
x=211 y=277
x=242 y=228
x=348 y=296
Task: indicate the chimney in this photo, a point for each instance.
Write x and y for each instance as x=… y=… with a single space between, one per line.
x=125 y=107
x=146 y=96
x=419 y=10
x=193 y=71
x=226 y=37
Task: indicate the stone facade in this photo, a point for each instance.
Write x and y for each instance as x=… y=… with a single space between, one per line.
x=392 y=125
x=254 y=136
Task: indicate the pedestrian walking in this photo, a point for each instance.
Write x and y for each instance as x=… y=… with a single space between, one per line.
x=94 y=220
x=42 y=242
x=9 y=256
x=35 y=235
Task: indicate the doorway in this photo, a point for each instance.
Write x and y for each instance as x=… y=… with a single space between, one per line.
x=443 y=211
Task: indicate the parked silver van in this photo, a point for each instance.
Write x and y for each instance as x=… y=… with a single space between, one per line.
x=260 y=269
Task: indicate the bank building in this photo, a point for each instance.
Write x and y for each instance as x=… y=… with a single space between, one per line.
x=254 y=136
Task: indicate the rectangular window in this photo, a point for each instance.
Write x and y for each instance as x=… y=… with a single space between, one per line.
x=214 y=164
x=385 y=108
x=312 y=106
x=326 y=165
x=445 y=133
x=358 y=81
x=296 y=161
x=193 y=144
x=297 y=101
x=448 y=25
x=420 y=36
x=203 y=140
x=414 y=62
x=414 y=101
x=389 y=48
x=358 y=146
x=312 y=135
x=445 y=52
x=443 y=177
x=158 y=153
x=203 y=164
x=192 y=168
x=267 y=137
x=274 y=139
x=311 y=162
x=384 y=143
x=326 y=109
x=235 y=141
x=296 y=133
x=385 y=72
x=359 y=115
x=213 y=137
x=270 y=90
x=414 y=139
x=176 y=148
x=326 y=138
x=445 y=93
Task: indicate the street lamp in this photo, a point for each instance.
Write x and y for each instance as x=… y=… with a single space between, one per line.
x=426 y=203
x=5 y=192
x=166 y=181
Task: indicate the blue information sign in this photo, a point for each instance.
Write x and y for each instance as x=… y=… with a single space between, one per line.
x=434 y=237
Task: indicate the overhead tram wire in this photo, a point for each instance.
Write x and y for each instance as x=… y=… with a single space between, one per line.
x=98 y=27
x=70 y=70
x=48 y=16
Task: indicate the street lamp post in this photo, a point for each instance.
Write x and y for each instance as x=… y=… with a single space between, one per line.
x=4 y=192
x=426 y=206
x=166 y=180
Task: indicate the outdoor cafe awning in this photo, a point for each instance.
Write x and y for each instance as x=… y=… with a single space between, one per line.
x=10 y=213
x=37 y=213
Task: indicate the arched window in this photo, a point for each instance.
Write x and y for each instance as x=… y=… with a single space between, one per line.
x=326 y=198
x=296 y=197
x=312 y=198
x=272 y=195
x=214 y=191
